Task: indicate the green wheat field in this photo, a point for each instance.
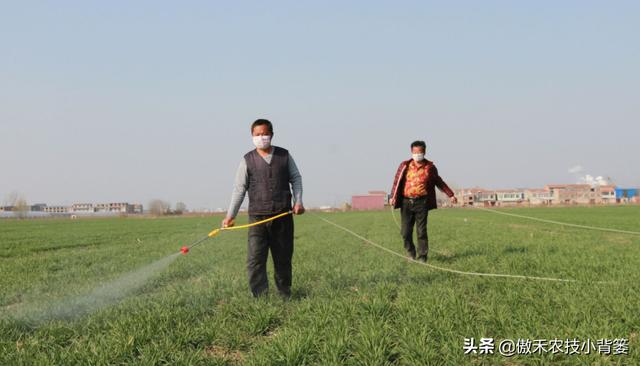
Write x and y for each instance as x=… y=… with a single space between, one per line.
x=91 y=292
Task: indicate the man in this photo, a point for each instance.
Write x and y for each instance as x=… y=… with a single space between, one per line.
x=414 y=193
x=268 y=173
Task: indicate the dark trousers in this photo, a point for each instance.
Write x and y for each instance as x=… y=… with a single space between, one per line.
x=276 y=235
x=414 y=211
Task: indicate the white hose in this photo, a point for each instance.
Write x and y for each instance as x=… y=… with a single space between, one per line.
x=559 y=222
x=449 y=269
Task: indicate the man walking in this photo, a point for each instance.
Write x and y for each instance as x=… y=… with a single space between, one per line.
x=413 y=192
x=268 y=173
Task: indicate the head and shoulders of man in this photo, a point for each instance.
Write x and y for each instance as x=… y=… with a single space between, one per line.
x=418 y=159
x=262 y=135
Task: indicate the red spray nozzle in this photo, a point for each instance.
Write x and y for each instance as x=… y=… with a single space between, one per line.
x=184 y=250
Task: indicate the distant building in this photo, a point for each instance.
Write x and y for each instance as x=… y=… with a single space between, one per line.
x=101 y=207
x=82 y=208
x=56 y=209
x=368 y=202
x=624 y=195
x=510 y=197
x=486 y=198
x=607 y=194
x=467 y=197
x=380 y=193
x=114 y=207
x=573 y=194
x=38 y=207
x=137 y=208
x=121 y=207
x=538 y=196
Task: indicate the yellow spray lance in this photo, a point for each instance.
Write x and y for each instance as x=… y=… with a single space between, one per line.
x=215 y=232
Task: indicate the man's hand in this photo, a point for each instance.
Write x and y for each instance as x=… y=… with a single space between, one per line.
x=228 y=222
x=392 y=202
x=298 y=209
x=454 y=200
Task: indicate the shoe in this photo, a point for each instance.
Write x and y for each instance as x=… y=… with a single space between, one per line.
x=411 y=256
x=285 y=293
x=422 y=258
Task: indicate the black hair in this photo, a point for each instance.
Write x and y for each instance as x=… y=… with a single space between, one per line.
x=262 y=122
x=419 y=143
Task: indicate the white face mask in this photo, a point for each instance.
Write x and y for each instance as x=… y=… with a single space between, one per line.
x=262 y=142
x=418 y=157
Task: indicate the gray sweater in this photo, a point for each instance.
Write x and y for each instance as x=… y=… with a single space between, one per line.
x=241 y=184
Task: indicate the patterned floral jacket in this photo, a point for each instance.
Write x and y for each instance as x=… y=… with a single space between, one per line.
x=433 y=180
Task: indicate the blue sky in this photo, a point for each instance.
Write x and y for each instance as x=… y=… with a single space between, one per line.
x=130 y=101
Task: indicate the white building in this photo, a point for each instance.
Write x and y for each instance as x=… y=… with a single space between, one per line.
x=607 y=194
x=538 y=196
x=573 y=194
x=510 y=197
x=56 y=209
x=82 y=208
x=486 y=198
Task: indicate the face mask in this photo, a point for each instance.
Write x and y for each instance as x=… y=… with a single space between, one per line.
x=262 y=142
x=418 y=157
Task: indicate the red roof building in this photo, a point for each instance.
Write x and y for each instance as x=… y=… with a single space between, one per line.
x=368 y=202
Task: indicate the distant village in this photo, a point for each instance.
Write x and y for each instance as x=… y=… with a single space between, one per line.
x=550 y=195
x=112 y=208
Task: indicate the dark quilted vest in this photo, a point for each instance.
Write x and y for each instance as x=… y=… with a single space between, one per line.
x=269 y=190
